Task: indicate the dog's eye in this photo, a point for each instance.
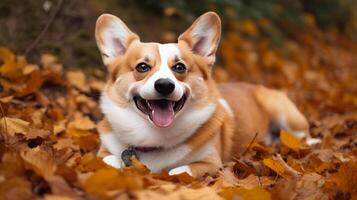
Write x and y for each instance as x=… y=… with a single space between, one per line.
x=179 y=68
x=142 y=67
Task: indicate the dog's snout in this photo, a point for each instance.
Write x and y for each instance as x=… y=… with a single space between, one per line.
x=164 y=86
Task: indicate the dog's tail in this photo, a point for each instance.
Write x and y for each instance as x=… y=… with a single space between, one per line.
x=283 y=113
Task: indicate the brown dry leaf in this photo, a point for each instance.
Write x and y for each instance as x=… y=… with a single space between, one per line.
x=6 y=99
x=65 y=143
x=59 y=127
x=58 y=197
x=78 y=80
x=37 y=117
x=262 y=149
x=253 y=181
x=60 y=187
x=227 y=178
x=39 y=161
x=310 y=187
x=172 y=192
x=256 y=193
x=33 y=82
x=82 y=123
x=221 y=184
x=13 y=164
x=291 y=141
x=320 y=160
x=89 y=162
x=11 y=126
x=34 y=133
x=284 y=190
x=16 y=188
x=277 y=164
x=85 y=139
x=345 y=180
x=48 y=59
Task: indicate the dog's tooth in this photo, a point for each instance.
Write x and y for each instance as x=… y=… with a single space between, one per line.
x=148 y=103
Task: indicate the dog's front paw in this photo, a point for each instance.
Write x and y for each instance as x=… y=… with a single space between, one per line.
x=181 y=169
x=113 y=161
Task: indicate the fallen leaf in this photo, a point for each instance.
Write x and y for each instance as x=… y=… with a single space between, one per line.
x=16 y=188
x=108 y=180
x=256 y=193
x=39 y=161
x=278 y=165
x=291 y=141
x=9 y=67
x=82 y=123
x=11 y=126
x=345 y=180
x=78 y=80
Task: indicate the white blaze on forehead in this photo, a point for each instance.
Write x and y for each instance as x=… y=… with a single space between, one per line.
x=167 y=52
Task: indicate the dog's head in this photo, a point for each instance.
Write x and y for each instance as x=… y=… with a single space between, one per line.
x=158 y=82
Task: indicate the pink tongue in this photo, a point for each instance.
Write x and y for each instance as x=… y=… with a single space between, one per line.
x=162 y=113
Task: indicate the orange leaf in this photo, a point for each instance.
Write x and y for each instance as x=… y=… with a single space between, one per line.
x=9 y=67
x=40 y=161
x=275 y=165
x=291 y=141
x=256 y=193
x=111 y=180
x=278 y=165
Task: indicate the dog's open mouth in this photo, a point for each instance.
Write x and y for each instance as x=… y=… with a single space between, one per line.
x=161 y=111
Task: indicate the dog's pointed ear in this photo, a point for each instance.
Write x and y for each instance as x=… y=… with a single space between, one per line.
x=203 y=35
x=113 y=37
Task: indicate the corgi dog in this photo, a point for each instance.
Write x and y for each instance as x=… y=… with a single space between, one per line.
x=161 y=102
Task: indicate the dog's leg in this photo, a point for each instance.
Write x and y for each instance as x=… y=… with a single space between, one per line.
x=197 y=169
x=208 y=166
x=283 y=113
x=111 y=148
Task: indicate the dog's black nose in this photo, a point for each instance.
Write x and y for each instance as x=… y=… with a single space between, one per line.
x=164 y=86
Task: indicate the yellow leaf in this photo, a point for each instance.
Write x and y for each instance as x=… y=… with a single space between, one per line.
x=108 y=180
x=291 y=141
x=11 y=126
x=278 y=165
x=9 y=67
x=256 y=193
x=275 y=165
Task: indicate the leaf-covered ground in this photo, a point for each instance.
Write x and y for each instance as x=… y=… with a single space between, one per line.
x=48 y=138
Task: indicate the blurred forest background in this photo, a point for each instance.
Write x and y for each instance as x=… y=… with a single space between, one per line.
x=274 y=23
